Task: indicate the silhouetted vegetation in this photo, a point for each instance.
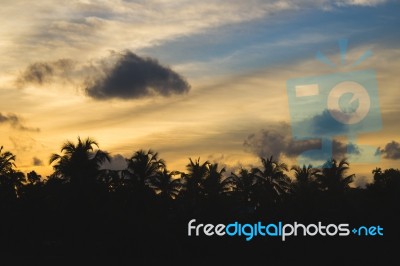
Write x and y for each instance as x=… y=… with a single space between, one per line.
x=140 y=214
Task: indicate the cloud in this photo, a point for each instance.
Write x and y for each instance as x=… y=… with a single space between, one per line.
x=118 y=162
x=321 y=125
x=79 y=26
x=391 y=150
x=131 y=76
x=37 y=162
x=10 y=118
x=15 y=122
x=84 y=27
x=267 y=142
x=324 y=123
x=360 y=2
x=45 y=72
x=277 y=141
x=121 y=75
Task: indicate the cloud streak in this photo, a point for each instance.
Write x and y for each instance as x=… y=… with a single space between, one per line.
x=360 y=2
x=15 y=122
x=277 y=141
x=42 y=73
x=85 y=28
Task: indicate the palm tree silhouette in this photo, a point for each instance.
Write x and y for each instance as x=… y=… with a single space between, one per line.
x=387 y=180
x=333 y=177
x=241 y=185
x=11 y=180
x=305 y=178
x=305 y=191
x=33 y=178
x=304 y=174
x=166 y=184
x=46 y=214
x=6 y=161
x=271 y=181
x=113 y=179
x=79 y=164
x=144 y=166
x=212 y=185
x=192 y=181
x=197 y=172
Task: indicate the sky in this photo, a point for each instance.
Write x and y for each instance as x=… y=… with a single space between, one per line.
x=191 y=79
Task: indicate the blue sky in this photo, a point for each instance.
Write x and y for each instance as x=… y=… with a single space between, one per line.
x=284 y=38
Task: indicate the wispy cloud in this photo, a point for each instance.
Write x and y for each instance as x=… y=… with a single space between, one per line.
x=15 y=122
x=360 y=2
x=46 y=72
x=85 y=28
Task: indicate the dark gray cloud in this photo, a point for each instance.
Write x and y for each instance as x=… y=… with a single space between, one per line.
x=118 y=162
x=37 y=162
x=45 y=72
x=324 y=123
x=119 y=76
x=128 y=76
x=320 y=125
x=391 y=150
x=15 y=122
x=277 y=141
x=273 y=141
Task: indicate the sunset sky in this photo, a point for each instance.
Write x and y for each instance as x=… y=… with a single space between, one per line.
x=185 y=78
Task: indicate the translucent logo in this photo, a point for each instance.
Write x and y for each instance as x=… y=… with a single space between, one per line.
x=342 y=104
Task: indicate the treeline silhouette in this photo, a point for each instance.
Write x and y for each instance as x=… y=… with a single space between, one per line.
x=140 y=214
